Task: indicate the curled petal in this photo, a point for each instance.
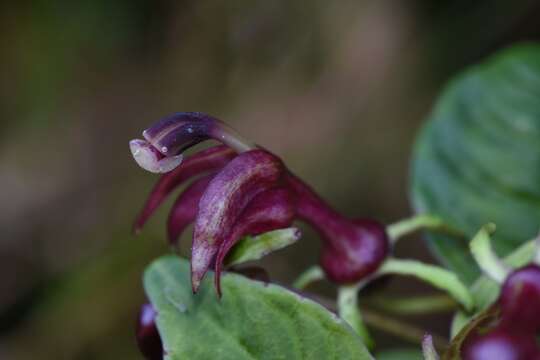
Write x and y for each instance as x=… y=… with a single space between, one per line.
x=152 y=160
x=226 y=197
x=352 y=249
x=270 y=210
x=185 y=208
x=169 y=137
x=209 y=160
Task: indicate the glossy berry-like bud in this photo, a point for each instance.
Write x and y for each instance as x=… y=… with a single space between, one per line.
x=352 y=249
x=147 y=335
x=520 y=300
x=501 y=345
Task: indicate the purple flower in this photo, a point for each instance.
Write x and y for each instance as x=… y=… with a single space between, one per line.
x=245 y=190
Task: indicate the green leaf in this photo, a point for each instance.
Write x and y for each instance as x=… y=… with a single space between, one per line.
x=252 y=248
x=435 y=275
x=251 y=321
x=476 y=159
x=401 y=354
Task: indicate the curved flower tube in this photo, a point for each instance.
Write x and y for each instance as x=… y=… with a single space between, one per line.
x=352 y=249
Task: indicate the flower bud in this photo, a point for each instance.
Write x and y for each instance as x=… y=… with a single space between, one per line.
x=148 y=338
x=520 y=300
x=501 y=345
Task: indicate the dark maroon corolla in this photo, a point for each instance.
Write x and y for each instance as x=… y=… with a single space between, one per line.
x=240 y=189
x=514 y=337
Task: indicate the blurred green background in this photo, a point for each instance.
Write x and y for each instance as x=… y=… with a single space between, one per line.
x=338 y=89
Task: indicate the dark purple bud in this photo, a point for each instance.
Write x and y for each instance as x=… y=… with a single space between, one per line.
x=270 y=210
x=185 y=208
x=352 y=249
x=147 y=334
x=501 y=345
x=226 y=197
x=520 y=300
x=161 y=151
x=209 y=160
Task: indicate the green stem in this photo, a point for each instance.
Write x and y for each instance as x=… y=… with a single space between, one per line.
x=400 y=329
x=420 y=222
x=414 y=305
x=349 y=311
x=428 y=349
x=485 y=256
x=308 y=277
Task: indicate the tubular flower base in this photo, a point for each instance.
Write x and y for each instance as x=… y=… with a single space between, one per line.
x=244 y=190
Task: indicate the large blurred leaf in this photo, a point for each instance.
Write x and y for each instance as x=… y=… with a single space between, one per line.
x=477 y=160
x=401 y=354
x=253 y=320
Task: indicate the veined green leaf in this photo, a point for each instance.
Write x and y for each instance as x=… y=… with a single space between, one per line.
x=251 y=321
x=476 y=159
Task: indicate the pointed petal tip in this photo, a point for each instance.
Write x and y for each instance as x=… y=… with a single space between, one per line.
x=150 y=159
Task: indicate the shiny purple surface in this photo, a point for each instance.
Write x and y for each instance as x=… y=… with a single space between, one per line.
x=352 y=249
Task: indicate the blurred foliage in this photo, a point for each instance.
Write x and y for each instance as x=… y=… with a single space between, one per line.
x=338 y=89
x=476 y=158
